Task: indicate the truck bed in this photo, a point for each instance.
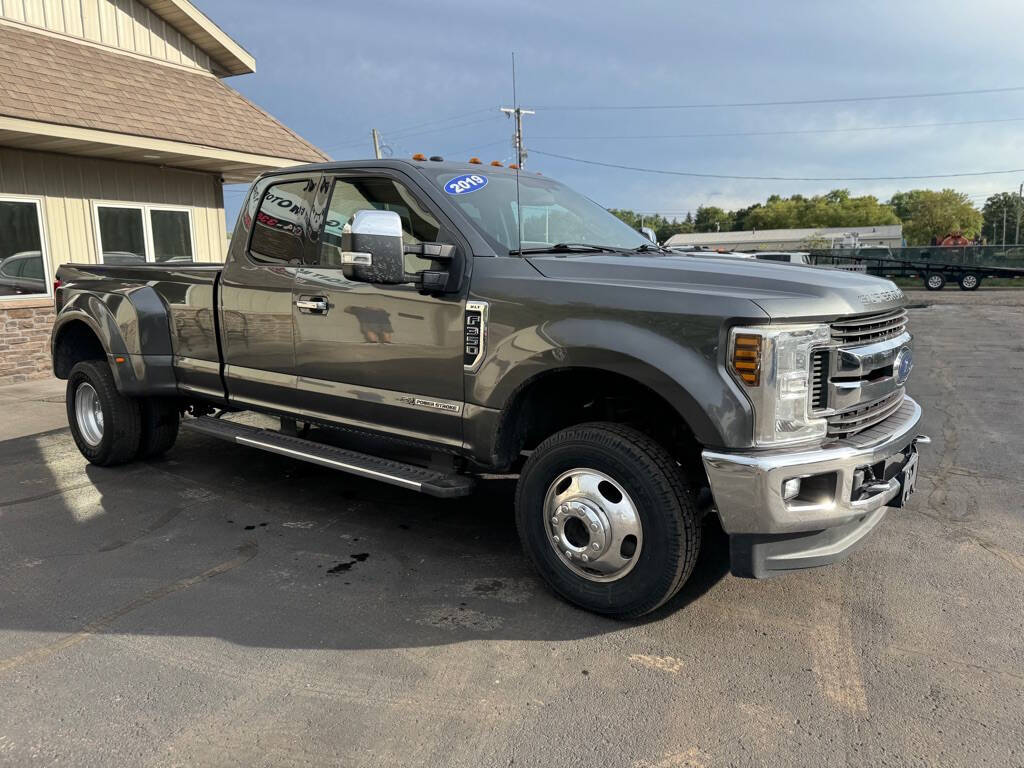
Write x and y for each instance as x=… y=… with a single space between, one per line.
x=161 y=310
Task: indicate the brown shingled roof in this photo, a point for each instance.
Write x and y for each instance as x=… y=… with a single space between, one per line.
x=53 y=80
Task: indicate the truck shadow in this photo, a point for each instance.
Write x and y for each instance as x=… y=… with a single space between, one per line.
x=260 y=550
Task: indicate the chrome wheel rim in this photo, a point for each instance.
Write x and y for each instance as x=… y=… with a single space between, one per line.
x=593 y=525
x=89 y=413
x=934 y=281
x=970 y=281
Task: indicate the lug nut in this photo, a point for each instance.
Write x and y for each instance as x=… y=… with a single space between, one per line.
x=556 y=540
x=554 y=520
x=595 y=546
x=568 y=554
x=584 y=558
x=593 y=527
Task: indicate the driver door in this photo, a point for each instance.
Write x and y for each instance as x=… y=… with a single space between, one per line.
x=381 y=356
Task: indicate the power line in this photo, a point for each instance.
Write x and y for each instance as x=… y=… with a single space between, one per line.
x=786 y=103
x=694 y=174
x=790 y=132
x=411 y=127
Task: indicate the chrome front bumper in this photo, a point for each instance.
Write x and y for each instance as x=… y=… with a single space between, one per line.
x=843 y=503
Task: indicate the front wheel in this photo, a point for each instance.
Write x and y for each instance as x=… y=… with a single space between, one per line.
x=935 y=281
x=105 y=425
x=605 y=514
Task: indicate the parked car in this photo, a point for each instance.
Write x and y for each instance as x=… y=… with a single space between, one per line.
x=22 y=273
x=708 y=252
x=787 y=257
x=390 y=307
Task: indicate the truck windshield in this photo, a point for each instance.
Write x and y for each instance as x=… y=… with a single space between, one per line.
x=552 y=213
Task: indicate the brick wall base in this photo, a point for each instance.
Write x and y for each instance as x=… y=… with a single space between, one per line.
x=25 y=344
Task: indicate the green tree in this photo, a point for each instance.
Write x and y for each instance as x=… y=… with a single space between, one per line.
x=837 y=208
x=740 y=217
x=711 y=218
x=995 y=207
x=663 y=227
x=927 y=214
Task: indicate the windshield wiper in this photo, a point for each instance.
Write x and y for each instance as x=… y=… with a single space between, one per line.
x=650 y=248
x=569 y=248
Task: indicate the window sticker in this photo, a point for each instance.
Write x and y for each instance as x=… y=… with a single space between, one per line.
x=463 y=185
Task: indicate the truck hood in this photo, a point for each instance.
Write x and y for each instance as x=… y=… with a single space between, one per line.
x=783 y=291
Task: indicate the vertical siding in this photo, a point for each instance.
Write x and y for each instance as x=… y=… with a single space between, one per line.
x=125 y=24
x=69 y=185
x=13 y=9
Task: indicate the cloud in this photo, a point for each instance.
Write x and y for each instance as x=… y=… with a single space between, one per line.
x=332 y=71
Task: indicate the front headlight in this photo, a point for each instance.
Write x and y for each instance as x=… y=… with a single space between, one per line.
x=773 y=365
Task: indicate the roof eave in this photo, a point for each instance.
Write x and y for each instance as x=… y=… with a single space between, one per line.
x=228 y=55
x=233 y=165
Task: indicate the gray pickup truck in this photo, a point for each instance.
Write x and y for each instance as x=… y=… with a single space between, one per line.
x=423 y=323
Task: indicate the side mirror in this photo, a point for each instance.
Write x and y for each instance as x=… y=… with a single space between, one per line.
x=377 y=255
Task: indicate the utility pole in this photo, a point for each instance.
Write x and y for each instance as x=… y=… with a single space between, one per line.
x=1004 y=226
x=517 y=113
x=1020 y=197
x=376 y=143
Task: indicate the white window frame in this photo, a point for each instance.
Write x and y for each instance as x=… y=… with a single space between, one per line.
x=147 y=225
x=44 y=246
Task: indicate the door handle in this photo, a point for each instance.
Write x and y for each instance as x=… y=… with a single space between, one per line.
x=313 y=305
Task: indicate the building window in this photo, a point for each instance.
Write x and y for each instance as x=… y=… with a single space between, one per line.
x=135 y=234
x=23 y=264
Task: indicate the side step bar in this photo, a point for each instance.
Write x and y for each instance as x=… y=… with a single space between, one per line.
x=428 y=481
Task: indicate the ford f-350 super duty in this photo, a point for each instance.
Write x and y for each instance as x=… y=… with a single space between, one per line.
x=424 y=322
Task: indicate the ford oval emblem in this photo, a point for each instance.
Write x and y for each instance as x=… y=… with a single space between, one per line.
x=902 y=365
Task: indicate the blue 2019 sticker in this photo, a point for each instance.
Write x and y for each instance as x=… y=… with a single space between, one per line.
x=465 y=184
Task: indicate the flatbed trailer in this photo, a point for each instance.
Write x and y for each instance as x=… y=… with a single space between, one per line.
x=967 y=266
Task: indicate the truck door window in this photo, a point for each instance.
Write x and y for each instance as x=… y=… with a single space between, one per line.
x=383 y=194
x=281 y=221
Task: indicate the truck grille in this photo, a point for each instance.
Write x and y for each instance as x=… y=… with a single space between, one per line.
x=865 y=330
x=819 y=379
x=866 y=415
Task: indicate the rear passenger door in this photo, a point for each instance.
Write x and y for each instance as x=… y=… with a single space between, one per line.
x=385 y=356
x=256 y=292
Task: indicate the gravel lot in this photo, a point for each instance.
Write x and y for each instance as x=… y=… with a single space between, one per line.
x=226 y=606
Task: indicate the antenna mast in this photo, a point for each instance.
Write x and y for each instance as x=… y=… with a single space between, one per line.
x=517 y=112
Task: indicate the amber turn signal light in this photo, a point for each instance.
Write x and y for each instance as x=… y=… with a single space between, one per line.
x=419 y=156
x=746 y=358
x=475 y=160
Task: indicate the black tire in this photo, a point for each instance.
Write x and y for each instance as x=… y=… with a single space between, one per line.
x=160 y=420
x=122 y=424
x=664 y=503
x=934 y=281
x=969 y=281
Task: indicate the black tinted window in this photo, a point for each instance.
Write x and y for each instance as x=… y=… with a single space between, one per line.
x=278 y=231
x=360 y=194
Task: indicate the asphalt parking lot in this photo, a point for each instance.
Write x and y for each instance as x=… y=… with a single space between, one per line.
x=226 y=606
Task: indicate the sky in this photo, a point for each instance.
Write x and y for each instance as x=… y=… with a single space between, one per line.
x=430 y=77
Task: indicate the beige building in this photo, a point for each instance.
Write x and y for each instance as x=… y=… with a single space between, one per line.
x=116 y=137
x=793 y=239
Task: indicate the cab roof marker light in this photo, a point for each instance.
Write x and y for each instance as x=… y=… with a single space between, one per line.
x=419 y=157
x=497 y=164
x=475 y=161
